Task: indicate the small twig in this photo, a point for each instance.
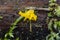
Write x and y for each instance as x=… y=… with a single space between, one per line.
x=30 y=27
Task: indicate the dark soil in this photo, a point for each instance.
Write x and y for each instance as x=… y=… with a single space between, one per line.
x=39 y=28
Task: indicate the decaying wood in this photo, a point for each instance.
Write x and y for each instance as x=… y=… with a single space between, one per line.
x=5 y=8
x=11 y=8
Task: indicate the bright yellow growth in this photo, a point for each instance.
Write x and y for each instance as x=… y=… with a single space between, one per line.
x=28 y=15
